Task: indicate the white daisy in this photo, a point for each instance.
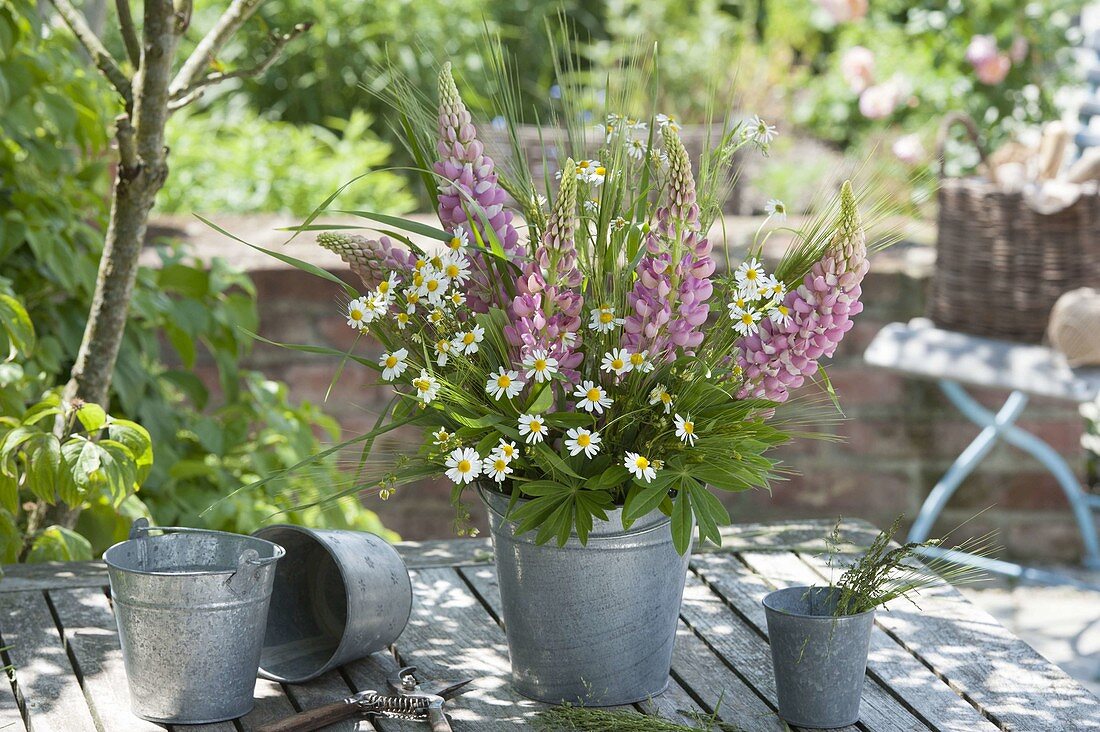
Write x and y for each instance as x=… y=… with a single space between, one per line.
x=641 y=362
x=759 y=131
x=776 y=290
x=579 y=440
x=377 y=304
x=749 y=276
x=442 y=352
x=540 y=365
x=640 y=467
x=393 y=364
x=659 y=395
x=427 y=386
x=455 y=267
x=402 y=320
x=412 y=295
x=591 y=171
x=464 y=464
x=459 y=239
x=467 y=341
x=503 y=383
x=635 y=150
x=532 y=428
x=685 y=429
x=591 y=206
x=496 y=468
x=592 y=397
x=667 y=120
x=780 y=315
x=388 y=287
x=603 y=320
x=457 y=298
x=617 y=361
x=776 y=209
x=436 y=316
x=441 y=436
x=433 y=285
x=506 y=450
x=357 y=313
x=744 y=321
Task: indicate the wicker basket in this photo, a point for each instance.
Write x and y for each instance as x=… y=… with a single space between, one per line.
x=1000 y=265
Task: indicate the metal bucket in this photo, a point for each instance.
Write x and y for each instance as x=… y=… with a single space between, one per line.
x=594 y=624
x=819 y=660
x=339 y=596
x=191 y=608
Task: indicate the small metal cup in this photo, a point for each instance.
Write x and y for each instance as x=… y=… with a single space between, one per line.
x=338 y=596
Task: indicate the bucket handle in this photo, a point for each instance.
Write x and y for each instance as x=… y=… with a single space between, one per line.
x=961 y=118
x=244 y=576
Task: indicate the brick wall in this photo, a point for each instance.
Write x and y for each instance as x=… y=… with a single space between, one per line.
x=898 y=437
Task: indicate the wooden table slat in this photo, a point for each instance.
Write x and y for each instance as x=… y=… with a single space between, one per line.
x=43 y=674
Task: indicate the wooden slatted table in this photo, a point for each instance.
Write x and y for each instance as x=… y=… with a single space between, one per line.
x=945 y=666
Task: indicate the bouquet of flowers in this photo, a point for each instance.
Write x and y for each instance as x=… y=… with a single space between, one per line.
x=591 y=357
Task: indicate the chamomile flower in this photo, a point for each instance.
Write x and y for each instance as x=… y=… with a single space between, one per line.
x=591 y=171
x=436 y=316
x=441 y=436
x=635 y=149
x=745 y=321
x=466 y=342
x=412 y=296
x=776 y=290
x=617 y=361
x=427 y=387
x=579 y=440
x=457 y=298
x=640 y=467
x=591 y=206
x=659 y=395
x=749 y=276
x=455 y=267
x=496 y=467
x=459 y=239
x=592 y=397
x=603 y=320
x=402 y=321
x=357 y=313
x=759 y=131
x=442 y=352
x=618 y=223
x=503 y=383
x=387 y=288
x=780 y=315
x=506 y=450
x=464 y=464
x=641 y=362
x=393 y=364
x=532 y=428
x=540 y=365
x=776 y=209
x=685 y=429
x=667 y=121
x=433 y=285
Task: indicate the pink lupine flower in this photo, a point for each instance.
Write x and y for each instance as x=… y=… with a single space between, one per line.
x=778 y=358
x=547 y=308
x=370 y=259
x=669 y=301
x=470 y=182
x=844 y=11
x=857 y=66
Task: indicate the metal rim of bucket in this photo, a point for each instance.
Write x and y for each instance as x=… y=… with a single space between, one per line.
x=141 y=529
x=807 y=616
x=312 y=534
x=593 y=536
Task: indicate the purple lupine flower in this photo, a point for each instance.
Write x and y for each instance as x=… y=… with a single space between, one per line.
x=778 y=358
x=470 y=179
x=547 y=308
x=669 y=300
x=370 y=259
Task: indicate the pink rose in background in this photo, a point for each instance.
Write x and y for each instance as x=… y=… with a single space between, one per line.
x=1018 y=50
x=857 y=65
x=990 y=65
x=844 y=11
x=879 y=101
x=981 y=50
x=908 y=149
x=994 y=70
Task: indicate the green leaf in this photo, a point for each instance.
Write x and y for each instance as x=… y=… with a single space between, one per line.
x=43 y=459
x=614 y=476
x=183 y=343
x=681 y=522
x=542 y=399
x=16 y=327
x=409 y=225
x=568 y=419
x=543 y=488
x=86 y=471
x=540 y=452
x=11 y=538
x=50 y=405
x=710 y=514
x=91 y=416
x=13 y=442
x=313 y=349
x=58 y=544
x=9 y=493
x=640 y=500
x=137 y=440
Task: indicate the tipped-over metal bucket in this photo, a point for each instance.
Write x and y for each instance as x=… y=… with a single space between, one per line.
x=819 y=659
x=191 y=607
x=591 y=624
x=339 y=596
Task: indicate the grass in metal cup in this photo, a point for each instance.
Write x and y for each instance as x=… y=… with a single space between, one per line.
x=819 y=660
x=338 y=596
x=191 y=607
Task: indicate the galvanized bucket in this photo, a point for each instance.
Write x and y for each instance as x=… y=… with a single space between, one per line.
x=191 y=608
x=594 y=624
x=339 y=596
x=819 y=660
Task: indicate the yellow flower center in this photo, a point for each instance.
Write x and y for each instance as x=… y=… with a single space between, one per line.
x=637 y=359
x=442 y=436
x=584 y=440
x=433 y=285
x=412 y=298
x=507 y=450
x=437 y=262
x=451 y=271
x=617 y=364
x=540 y=364
x=402 y=317
x=424 y=385
x=747 y=319
x=391 y=361
x=750 y=274
x=356 y=314
x=499 y=465
x=467 y=338
x=593 y=394
x=464 y=466
x=420 y=264
x=689 y=428
x=535 y=426
x=606 y=316
x=455 y=243
x=503 y=381
x=443 y=346
x=783 y=309
x=418 y=279
x=601 y=170
x=666 y=397
x=384 y=286
x=641 y=463
x=582 y=165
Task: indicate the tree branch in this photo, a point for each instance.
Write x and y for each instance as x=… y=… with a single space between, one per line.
x=233 y=18
x=104 y=61
x=124 y=132
x=279 y=40
x=129 y=33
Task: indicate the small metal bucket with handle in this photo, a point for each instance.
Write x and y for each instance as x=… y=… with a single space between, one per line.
x=191 y=606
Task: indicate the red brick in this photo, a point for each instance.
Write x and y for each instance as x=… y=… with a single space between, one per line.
x=892 y=437
x=1034 y=491
x=1050 y=536
x=863 y=385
